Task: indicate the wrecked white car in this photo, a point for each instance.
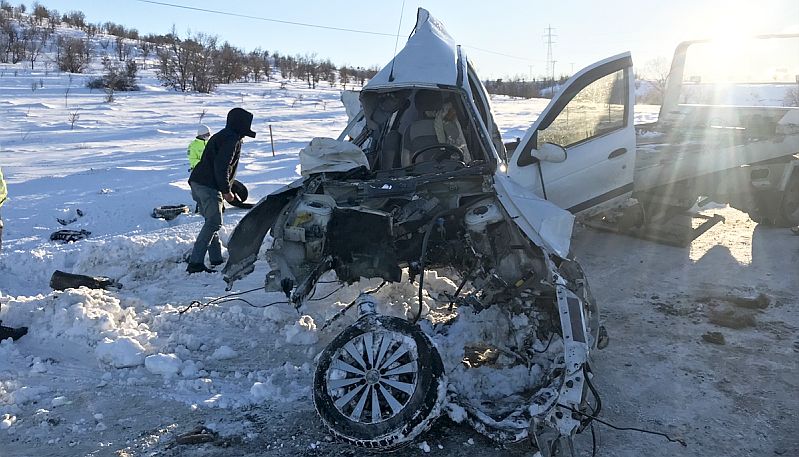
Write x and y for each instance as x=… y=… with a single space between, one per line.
x=419 y=180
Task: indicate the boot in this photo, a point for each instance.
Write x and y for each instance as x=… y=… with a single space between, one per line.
x=198 y=268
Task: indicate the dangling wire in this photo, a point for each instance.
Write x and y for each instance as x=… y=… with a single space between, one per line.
x=223 y=299
x=634 y=429
x=328 y=295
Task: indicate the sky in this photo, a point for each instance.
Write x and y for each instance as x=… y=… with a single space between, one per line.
x=503 y=38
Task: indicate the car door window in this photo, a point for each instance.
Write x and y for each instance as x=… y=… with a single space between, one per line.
x=596 y=110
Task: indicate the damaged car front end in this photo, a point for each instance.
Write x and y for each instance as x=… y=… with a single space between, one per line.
x=413 y=185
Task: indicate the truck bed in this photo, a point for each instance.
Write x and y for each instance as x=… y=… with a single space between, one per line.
x=701 y=140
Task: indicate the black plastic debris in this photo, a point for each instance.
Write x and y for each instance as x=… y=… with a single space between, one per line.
x=199 y=435
x=66 y=236
x=14 y=333
x=62 y=280
x=169 y=212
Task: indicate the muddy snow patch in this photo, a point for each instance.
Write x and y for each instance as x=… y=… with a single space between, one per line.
x=284 y=384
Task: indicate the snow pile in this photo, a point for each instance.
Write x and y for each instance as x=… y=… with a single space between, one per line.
x=124 y=352
x=167 y=365
x=85 y=320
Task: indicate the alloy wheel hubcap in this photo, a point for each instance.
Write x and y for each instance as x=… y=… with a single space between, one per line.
x=373 y=376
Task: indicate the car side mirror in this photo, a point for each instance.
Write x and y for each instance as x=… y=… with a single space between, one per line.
x=549 y=152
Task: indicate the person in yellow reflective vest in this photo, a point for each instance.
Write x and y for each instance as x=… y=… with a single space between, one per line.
x=197 y=146
x=3 y=198
x=14 y=333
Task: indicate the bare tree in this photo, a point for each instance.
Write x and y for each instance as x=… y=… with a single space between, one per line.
x=34 y=43
x=73 y=54
x=229 y=64
x=255 y=64
x=202 y=68
x=327 y=71
x=123 y=50
x=13 y=49
x=40 y=13
x=75 y=18
x=655 y=72
x=146 y=48
x=344 y=76
x=188 y=64
x=73 y=117
x=308 y=68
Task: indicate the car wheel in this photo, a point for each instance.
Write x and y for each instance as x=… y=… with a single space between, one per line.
x=380 y=383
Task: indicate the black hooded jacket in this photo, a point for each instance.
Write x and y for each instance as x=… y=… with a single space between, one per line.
x=217 y=168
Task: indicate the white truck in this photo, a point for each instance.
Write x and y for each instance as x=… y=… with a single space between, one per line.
x=728 y=132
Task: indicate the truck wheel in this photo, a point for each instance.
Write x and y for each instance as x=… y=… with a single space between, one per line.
x=789 y=208
x=379 y=384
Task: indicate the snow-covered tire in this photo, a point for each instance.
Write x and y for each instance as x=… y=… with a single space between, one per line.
x=170 y=212
x=386 y=355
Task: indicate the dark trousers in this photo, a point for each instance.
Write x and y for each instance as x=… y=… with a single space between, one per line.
x=209 y=201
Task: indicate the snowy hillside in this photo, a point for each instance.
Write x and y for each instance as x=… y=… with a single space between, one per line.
x=123 y=372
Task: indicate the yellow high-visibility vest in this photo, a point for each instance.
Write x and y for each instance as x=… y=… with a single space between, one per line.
x=196 y=149
x=3 y=189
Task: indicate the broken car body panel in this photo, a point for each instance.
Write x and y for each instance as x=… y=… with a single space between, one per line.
x=430 y=59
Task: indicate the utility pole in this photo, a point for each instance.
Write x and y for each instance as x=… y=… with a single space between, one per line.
x=548 y=36
x=553 y=72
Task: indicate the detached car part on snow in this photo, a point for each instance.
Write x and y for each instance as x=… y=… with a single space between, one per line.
x=420 y=185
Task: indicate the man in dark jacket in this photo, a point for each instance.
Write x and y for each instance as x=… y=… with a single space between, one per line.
x=210 y=182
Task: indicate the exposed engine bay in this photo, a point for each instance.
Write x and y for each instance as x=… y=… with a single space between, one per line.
x=364 y=224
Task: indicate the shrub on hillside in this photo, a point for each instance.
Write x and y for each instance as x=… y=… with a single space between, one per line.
x=73 y=54
x=117 y=77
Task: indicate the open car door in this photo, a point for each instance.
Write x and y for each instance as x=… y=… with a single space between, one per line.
x=580 y=152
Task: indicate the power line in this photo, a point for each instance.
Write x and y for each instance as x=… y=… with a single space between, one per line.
x=304 y=24
x=500 y=54
x=260 y=18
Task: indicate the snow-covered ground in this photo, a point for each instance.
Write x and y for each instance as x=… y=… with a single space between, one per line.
x=122 y=372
